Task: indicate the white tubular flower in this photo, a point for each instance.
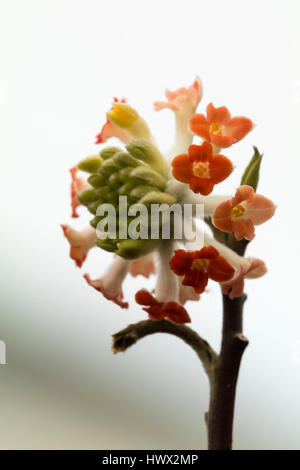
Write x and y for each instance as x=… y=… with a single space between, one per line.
x=183 y=102
x=81 y=241
x=110 y=284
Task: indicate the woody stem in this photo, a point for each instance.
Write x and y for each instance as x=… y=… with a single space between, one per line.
x=223 y=387
x=130 y=335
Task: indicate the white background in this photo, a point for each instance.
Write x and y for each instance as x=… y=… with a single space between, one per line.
x=61 y=64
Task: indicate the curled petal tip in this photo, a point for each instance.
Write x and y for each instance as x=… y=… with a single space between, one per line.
x=99 y=286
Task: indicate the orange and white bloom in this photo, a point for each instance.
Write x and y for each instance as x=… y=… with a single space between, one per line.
x=182 y=99
x=199 y=266
x=201 y=169
x=183 y=102
x=243 y=212
x=110 y=284
x=80 y=242
x=218 y=127
x=235 y=287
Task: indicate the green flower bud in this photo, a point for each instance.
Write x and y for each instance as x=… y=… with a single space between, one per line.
x=90 y=164
x=103 y=192
x=157 y=197
x=114 y=180
x=87 y=196
x=132 y=249
x=109 y=152
x=124 y=173
x=139 y=191
x=107 y=244
x=92 y=207
x=124 y=159
x=108 y=167
x=125 y=189
x=94 y=222
x=143 y=150
x=148 y=176
x=96 y=180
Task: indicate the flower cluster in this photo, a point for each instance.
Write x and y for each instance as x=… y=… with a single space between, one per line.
x=186 y=175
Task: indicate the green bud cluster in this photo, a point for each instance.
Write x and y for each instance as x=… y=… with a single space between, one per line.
x=140 y=173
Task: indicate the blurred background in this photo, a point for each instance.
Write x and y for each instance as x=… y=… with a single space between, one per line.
x=62 y=61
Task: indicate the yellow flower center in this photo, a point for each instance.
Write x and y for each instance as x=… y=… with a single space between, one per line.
x=122 y=115
x=216 y=128
x=201 y=170
x=200 y=264
x=238 y=211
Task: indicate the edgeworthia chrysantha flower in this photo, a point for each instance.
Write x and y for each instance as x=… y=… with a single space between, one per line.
x=122 y=179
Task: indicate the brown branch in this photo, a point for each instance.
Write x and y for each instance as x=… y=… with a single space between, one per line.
x=223 y=390
x=130 y=335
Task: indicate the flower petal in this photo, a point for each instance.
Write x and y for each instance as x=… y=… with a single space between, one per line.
x=187 y=293
x=144 y=266
x=222 y=217
x=181 y=262
x=77 y=185
x=220 y=168
x=243 y=193
x=220 y=270
x=200 y=126
x=235 y=287
x=238 y=127
x=201 y=153
x=196 y=279
x=110 y=284
x=80 y=242
x=222 y=141
x=259 y=209
x=203 y=186
x=257 y=269
x=219 y=115
x=176 y=313
x=243 y=228
x=110 y=130
x=98 y=285
x=182 y=168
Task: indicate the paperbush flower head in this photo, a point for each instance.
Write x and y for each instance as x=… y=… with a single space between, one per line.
x=125 y=183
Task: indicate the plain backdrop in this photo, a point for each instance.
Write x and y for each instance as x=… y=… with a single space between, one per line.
x=61 y=63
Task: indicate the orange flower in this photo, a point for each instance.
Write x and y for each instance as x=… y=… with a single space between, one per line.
x=218 y=127
x=77 y=184
x=243 y=212
x=159 y=310
x=201 y=169
x=235 y=287
x=182 y=99
x=199 y=266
